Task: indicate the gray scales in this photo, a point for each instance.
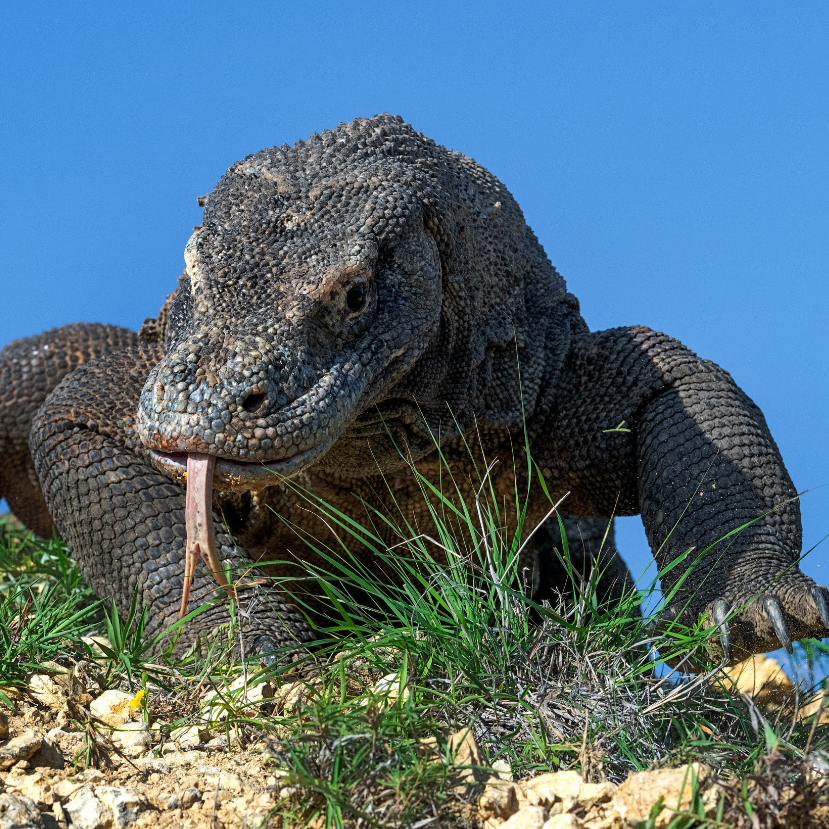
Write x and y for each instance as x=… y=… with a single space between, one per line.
x=345 y=301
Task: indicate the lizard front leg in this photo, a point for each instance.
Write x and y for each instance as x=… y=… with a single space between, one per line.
x=29 y=369
x=123 y=520
x=643 y=425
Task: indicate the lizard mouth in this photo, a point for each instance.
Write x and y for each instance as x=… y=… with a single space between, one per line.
x=230 y=475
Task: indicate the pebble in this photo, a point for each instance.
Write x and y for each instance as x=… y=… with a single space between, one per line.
x=18 y=812
x=113 y=707
x=19 y=748
x=388 y=687
x=229 y=781
x=237 y=696
x=562 y=822
x=106 y=806
x=189 y=797
x=86 y=811
x=186 y=736
x=47 y=692
x=530 y=817
x=60 y=815
x=133 y=738
x=49 y=755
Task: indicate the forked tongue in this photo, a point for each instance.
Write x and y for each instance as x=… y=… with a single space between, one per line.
x=201 y=536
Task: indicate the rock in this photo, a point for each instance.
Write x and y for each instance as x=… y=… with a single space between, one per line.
x=47 y=692
x=86 y=811
x=19 y=748
x=189 y=797
x=259 y=808
x=592 y=793
x=18 y=812
x=388 y=687
x=14 y=693
x=812 y=707
x=498 y=802
x=103 y=807
x=546 y=789
x=230 y=782
x=48 y=756
x=157 y=766
x=186 y=737
x=464 y=750
x=174 y=802
x=530 y=817
x=94 y=643
x=132 y=738
x=235 y=698
x=555 y=793
x=502 y=769
x=290 y=697
x=86 y=678
x=562 y=822
x=113 y=707
x=32 y=785
x=126 y=804
x=67 y=787
x=762 y=679
x=221 y=740
x=637 y=795
x=60 y=816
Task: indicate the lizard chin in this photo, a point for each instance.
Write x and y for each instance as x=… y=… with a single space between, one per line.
x=236 y=476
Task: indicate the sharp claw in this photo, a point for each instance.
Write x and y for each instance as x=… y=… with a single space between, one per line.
x=720 y=614
x=820 y=603
x=775 y=613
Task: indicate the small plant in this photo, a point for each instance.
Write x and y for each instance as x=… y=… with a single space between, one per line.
x=36 y=626
x=127 y=649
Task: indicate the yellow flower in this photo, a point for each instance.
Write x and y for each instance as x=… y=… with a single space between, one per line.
x=136 y=701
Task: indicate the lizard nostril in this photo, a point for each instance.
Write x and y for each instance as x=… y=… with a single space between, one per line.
x=253 y=403
x=159 y=392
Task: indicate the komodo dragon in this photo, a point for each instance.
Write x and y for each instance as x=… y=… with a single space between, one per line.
x=349 y=303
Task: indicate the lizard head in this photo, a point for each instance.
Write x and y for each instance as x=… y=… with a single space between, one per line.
x=325 y=301
x=310 y=287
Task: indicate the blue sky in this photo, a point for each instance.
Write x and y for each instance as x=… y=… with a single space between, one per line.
x=672 y=159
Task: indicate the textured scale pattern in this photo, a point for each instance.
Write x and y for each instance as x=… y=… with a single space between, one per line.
x=348 y=304
x=29 y=370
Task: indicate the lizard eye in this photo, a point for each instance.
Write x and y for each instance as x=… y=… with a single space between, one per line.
x=355 y=299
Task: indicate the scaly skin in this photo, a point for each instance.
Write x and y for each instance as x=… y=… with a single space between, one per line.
x=348 y=303
x=29 y=370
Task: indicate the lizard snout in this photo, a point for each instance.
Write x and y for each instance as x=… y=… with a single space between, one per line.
x=254 y=409
x=234 y=411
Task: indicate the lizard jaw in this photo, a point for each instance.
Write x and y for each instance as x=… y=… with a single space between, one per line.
x=229 y=475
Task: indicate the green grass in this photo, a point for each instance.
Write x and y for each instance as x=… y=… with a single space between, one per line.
x=575 y=685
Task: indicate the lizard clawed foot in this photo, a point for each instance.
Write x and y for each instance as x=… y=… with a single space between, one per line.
x=789 y=610
x=720 y=611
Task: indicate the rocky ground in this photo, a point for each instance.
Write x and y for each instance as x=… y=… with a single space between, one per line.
x=104 y=738
x=74 y=755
